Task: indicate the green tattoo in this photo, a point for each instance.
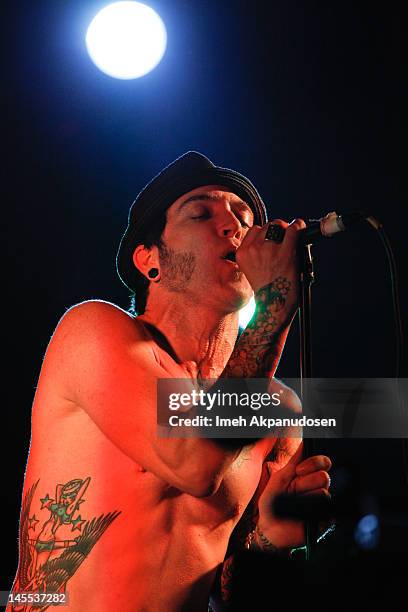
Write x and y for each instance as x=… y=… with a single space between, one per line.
x=41 y=569
x=259 y=348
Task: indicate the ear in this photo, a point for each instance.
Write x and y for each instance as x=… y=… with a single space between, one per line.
x=146 y=258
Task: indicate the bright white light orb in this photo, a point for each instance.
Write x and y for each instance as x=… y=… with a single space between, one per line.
x=246 y=313
x=126 y=40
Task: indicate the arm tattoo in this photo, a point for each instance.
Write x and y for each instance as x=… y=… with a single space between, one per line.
x=237 y=541
x=49 y=555
x=257 y=353
x=226 y=579
x=261 y=542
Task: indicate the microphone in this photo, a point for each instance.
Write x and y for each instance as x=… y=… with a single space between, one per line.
x=326 y=227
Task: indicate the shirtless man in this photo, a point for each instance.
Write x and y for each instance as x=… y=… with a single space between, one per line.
x=113 y=515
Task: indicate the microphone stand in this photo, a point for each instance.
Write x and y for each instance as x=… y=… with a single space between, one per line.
x=305 y=311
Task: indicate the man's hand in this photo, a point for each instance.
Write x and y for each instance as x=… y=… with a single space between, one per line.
x=308 y=477
x=262 y=261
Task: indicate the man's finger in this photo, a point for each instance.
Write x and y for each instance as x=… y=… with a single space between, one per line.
x=317 y=480
x=251 y=235
x=312 y=464
x=317 y=493
x=292 y=234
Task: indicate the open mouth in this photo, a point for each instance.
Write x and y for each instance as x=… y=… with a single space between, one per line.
x=230 y=256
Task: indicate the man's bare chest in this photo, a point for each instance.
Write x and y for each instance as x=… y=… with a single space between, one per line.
x=227 y=505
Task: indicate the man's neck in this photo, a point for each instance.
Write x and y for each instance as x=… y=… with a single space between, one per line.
x=196 y=333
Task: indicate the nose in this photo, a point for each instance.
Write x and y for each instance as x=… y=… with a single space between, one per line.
x=228 y=225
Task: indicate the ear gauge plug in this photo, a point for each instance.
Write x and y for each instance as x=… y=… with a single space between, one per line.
x=153 y=273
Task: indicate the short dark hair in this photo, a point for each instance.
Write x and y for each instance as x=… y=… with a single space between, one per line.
x=138 y=299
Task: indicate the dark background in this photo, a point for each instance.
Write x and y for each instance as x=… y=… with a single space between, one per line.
x=306 y=98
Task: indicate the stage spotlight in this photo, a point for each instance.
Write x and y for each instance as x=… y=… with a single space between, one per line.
x=246 y=313
x=126 y=40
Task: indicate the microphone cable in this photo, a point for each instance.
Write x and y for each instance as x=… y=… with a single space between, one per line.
x=399 y=333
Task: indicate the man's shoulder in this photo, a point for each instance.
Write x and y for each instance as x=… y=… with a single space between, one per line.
x=94 y=313
x=96 y=307
x=97 y=320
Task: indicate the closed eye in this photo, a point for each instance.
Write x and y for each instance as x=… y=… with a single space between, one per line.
x=205 y=213
x=205 y=216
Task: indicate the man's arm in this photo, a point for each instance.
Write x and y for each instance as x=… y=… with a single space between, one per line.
x=245 y=534
x=102 y=363
x=99 y=359
x=283 y=450
x=258 y=529
x=261 y=344
x=284 y=472
x=272 y=271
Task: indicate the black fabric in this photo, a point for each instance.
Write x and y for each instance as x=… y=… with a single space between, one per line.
x=186 y=173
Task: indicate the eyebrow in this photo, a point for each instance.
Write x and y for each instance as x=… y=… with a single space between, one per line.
x=209 y=197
